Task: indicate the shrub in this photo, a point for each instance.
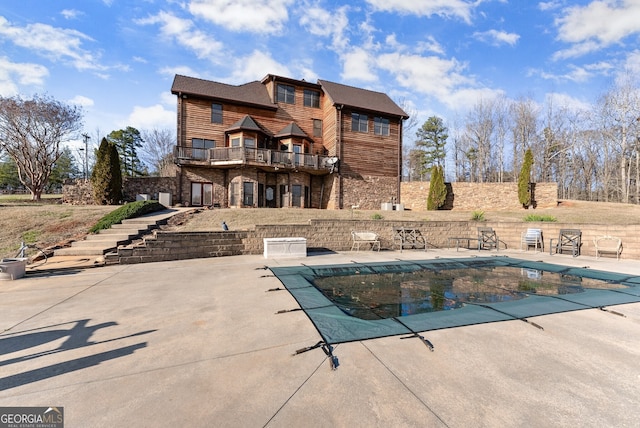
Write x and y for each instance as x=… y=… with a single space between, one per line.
x=540 y=217
x=477 y=215
x=132 y=210
x=524 y=193
x=106 y=177
x=376 y=216
x=437 y=189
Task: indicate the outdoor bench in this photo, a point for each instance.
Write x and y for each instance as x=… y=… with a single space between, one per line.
x=368 y=238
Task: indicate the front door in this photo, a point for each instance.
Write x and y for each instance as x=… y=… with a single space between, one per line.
x=270 y=196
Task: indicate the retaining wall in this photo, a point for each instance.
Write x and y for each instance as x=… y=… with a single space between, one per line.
x=335 y=235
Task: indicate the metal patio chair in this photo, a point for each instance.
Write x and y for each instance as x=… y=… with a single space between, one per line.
x=568 y=240
x=487 y=239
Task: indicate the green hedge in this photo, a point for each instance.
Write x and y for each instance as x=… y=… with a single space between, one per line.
x=131 y=210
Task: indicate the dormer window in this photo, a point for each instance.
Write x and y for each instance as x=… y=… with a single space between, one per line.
x=285 y=94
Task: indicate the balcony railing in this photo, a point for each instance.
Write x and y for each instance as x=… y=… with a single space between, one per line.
x=251 y=156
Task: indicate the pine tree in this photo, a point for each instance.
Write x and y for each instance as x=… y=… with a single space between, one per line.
x=128 y=141
x=106 y=177
x=437 y=189
x=524 y=194
x=432 y=138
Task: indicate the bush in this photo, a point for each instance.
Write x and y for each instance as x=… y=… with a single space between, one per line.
x=376 y=216
x=477 y=215
x=437 y=189
x=540 y=217
x=524 y=192
x=132 y=210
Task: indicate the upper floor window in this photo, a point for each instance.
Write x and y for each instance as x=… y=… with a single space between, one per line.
x=317 y=128
x=249 y=142
x=381 y=126
x=286 y=94
x=235 y=142
x=311 y=98
x=216 y=113
x=359 y=122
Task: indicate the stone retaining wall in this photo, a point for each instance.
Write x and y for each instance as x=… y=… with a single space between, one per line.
x=478 y=196
x=335 y=235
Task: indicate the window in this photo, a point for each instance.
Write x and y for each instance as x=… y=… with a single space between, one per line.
x=235 y=142
x=249 y=142
x=202 y=194
x=381 y=126
x=359 y=122
x=201 y=148
x=296 y=196
x=317 y=128
x=311 y=98
x=216 y=113
x=247 y=198
x=286 y=94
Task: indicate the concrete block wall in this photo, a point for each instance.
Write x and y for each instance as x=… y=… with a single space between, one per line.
x=336 y=236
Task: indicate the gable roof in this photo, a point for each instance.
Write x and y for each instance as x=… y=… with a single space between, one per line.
x=247 y=123
x=361 y=99
x=291 y=130
x=252 y=93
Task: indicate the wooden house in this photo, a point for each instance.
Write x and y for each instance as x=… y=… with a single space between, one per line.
x=281 y=142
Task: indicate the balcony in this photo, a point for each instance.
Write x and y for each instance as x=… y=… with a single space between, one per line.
x=228 y=157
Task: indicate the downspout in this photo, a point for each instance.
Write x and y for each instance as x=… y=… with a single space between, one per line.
x=181 y=142
x=399 y=183
x=339 y=150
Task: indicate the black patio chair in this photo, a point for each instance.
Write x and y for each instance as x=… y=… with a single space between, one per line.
x=568 y=240
x=487 y=239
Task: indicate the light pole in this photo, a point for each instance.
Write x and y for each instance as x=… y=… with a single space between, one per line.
x=86 y=155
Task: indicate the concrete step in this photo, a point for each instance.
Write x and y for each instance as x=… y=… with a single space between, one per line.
x=123 y=236
x=77 y=251
x=124 y=229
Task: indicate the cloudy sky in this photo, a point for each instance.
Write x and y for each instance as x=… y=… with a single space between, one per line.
x=118 y=58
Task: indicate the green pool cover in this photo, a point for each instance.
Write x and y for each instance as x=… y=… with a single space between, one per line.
x=336 y=325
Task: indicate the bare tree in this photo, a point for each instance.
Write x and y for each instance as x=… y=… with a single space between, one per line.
x=157 y=151
x=31 y=132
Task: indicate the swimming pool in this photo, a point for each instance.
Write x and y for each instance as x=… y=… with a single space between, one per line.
x=352 y=302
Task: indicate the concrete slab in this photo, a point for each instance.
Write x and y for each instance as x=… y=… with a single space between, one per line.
x=200 y=343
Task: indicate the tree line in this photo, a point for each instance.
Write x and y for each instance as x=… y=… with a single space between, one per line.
x=34 y=153
x=592 y=152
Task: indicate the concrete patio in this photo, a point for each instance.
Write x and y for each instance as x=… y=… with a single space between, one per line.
x=198 y=343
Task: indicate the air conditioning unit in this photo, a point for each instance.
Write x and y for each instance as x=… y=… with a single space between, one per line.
x=260 y=157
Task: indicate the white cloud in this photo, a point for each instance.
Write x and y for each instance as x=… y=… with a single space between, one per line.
x=321 y=22
x=597 y=25
x=81 y=100
x=70 y=13
x=430 y=45
x=497 y=38
x=441 y=79
x=252 y=16
x=358 y=65
x=181 y=69
x=155 y=116
x=183 y=32
x=57 y=44
x=444 y=8
x=13 y=74
x=566 y=101
x=549 y=5
x=255 y=66
x=632 y=62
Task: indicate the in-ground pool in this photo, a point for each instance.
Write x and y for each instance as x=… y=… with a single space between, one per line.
x=363 y=301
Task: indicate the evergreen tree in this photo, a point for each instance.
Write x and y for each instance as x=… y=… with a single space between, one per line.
x=524 y=195
x=106 y=177
x=64 y=168
x=432 y=138
x=437 y=189
x=127 y=142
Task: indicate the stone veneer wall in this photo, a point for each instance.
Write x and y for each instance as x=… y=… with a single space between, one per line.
x=80 y=192
x=369 y=192
x=478 y=196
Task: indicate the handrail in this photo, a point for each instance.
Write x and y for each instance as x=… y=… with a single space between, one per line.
x=253 y=155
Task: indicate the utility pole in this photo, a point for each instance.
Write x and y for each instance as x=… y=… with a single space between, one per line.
x=86 y=155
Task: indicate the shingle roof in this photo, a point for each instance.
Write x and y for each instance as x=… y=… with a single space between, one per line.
x=361 y=98
x=247 y=123
x=291 y=130
x=253 y=93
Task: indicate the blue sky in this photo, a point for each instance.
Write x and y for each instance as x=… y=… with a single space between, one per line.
x=117 y=58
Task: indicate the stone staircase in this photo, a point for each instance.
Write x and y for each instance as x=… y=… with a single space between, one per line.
x=108 y=240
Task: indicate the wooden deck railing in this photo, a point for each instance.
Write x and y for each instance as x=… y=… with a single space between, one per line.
x=253 y=156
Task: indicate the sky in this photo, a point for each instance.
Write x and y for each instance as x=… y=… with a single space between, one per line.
x=117 y=58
